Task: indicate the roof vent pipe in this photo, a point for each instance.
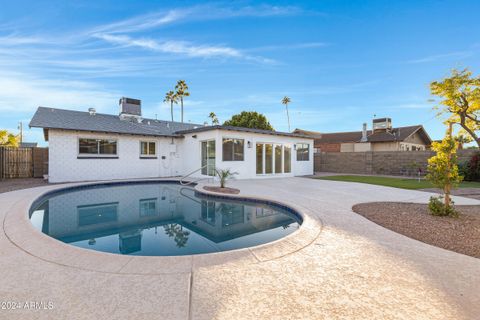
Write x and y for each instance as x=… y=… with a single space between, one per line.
x=364 y=133
x=92 y=111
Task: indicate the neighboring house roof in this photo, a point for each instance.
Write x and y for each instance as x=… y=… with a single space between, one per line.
x=396 y=134
x=28 y=145
x=242 y=129
x=50 y=118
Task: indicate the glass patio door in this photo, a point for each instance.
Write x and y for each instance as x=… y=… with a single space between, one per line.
x=208 y=157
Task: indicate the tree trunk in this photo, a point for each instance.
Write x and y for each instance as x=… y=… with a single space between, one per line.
x=288 y=117
x=470 y=131
x=181 y=102
x=171 y=109
x=447 y=187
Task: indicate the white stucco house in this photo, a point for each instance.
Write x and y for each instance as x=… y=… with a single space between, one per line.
x=87 y=146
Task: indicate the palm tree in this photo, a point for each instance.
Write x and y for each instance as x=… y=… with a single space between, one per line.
x=182 y=91
x=214 y=118
x=286 y=100
x=462 y=139
x=171 y=97
x=224 y=175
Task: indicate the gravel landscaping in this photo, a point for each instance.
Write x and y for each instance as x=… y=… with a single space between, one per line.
x=413 y=220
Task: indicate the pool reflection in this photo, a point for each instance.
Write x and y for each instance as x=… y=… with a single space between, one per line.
x=157 y=219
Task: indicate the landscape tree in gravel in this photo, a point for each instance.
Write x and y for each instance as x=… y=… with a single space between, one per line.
x=443 y=173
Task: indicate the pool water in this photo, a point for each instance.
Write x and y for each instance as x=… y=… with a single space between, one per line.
x=158 y=219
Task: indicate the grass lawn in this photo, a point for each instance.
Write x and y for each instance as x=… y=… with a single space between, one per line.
x=394 y=182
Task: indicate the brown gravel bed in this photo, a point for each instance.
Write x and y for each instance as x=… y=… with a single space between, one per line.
x=413 y=220
x=222 y=190
x=7 y=185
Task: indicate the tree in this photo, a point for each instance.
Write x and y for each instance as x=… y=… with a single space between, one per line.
x=214 y=118
x=286 y=100
x=460 y=95
x=224 y=175
x=181 y=91
x=443 y=172
x=249 y=119
x=171 y=97
x=462 y=139
x=8 y=139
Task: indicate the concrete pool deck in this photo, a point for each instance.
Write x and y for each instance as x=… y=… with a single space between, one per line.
x=337 y=266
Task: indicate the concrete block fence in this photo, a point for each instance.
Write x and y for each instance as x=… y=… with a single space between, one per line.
x=379 y=162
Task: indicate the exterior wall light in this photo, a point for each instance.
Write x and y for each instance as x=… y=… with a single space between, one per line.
x=249 y=144
x=194 y=136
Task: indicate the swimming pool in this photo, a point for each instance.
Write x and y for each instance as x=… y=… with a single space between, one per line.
x=158 y=219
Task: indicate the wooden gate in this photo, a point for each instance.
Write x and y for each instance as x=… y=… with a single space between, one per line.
x=23 y=162
x=16 y=162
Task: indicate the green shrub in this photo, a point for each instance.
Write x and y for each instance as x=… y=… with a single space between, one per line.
x=471 y=169
x=437 y=207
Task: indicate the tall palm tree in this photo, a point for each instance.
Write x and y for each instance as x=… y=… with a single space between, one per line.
x=182 y=91
x=171 y=97
x=286 y=100
x=214 y=118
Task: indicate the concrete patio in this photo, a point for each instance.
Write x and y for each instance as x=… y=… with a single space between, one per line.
x=338 y=266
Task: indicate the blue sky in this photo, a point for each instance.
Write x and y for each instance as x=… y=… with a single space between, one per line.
x=341 y=62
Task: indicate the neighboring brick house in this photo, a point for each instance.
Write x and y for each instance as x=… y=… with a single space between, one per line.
x=381 y=138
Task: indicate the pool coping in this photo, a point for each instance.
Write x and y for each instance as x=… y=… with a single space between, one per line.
x=20 y=232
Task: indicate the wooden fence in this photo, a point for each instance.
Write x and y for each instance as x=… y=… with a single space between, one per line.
x=23 y=162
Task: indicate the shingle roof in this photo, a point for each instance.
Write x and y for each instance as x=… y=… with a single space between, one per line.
x=50 y=118
x=396 y=134
x=241 y=129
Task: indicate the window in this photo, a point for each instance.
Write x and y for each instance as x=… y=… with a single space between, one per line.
x=287 y=159
x=273 y=158
x=233 y=149
x=268 y=158
x=97 y=147
x=278 y=158
x=259 y=147
x=148 y=207
x=97 y=214
x=148 y=149
x=303 y=153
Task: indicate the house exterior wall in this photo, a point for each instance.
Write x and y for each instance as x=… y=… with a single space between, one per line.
x=177 y=159
x=65 y=165
x=246 y=169
x=328 y=147
x=385 y=146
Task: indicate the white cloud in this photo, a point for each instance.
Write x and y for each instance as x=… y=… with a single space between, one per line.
x=443 y=57
x=180 y=47
x=194 y=13
x=305 y=45
x=24 y=93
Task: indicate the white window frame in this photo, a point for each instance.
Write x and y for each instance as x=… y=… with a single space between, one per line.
x=233 y=149
x=148 y=155
x=98 y=155
x=282 y=160
x=296 y=151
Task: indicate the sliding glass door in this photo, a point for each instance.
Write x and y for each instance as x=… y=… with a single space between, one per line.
x=208 y=157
